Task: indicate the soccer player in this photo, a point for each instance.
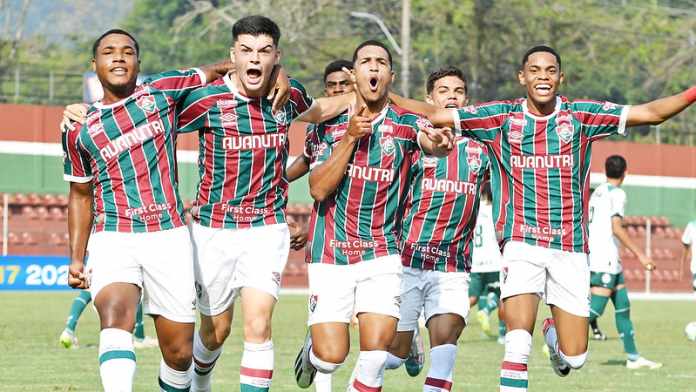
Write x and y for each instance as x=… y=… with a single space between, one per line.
x=606 y=231
x=240 y=235
x=125 y=208
x=436 y=237
x=688 y=239
x=359 y=179
x=484 y=287
x=69 y=340
x=540 y=150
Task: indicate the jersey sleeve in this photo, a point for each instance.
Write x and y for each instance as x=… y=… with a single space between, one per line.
x=617 y=199
x=321 y=147
x=688 y=236
x=76 y=166
x=177 y=84
x=601 y=119
x=307 y=151
x=300 y=100
x=193 y=112
x=483 y=121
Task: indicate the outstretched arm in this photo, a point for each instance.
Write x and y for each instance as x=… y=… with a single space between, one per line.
x=660 y=110
x=440 y=117
x=217 y=70
x=326 y=108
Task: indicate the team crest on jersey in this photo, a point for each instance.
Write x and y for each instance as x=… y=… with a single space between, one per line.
x=280 y=117
x=388 y=145
x=609 y=106
x=473 y=159
x=564 y=128
x=146 y=103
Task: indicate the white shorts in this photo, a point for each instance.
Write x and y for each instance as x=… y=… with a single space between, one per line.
x=227 y=260
x=562 y=278
x=433 y=291
x=160 y=263
x=336 y=291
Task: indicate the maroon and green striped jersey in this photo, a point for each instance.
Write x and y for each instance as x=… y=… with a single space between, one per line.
x=540 y=166
x=442 y=206
x=243 y=150
x=360 y=220
x=127 y=150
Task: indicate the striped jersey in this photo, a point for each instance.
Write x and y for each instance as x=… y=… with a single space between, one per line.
x=360 y=220
x=243 y=150
x=486 y=255
x=606 y=202
x=441 y=208
x=540 y=166
x=127 y=150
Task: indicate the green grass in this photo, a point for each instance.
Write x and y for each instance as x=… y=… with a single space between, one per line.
x=32 y=360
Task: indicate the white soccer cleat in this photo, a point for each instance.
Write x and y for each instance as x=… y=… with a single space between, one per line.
x=642 y=363
x=68 y=339
x=146 y=342
x=559 y=367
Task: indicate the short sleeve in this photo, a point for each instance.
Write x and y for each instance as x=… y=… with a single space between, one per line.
x=300 y=100
x=618 y=202
x=308 y=143
x=483 y=121
x=193 y=112
x=321 y=147
x=688 y=236
x=601 y=119
x=177 y=84
x=76 y=165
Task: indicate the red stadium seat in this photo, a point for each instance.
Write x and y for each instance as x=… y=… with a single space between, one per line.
x=55 y=239
x=49 y=199
x=42 y=213
x=62 y=200
x=27 y=238
x=35 y=199
x=13 y=239
x=29 y=212
x=56 y=213
x=19 y=199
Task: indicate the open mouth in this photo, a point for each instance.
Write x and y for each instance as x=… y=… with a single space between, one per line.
x=373 y=83
x=543 y=89
x=451 y=106
x=254 y=75
x=119 y=71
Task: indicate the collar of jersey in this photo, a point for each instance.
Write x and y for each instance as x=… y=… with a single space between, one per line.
x=100 y=105
x=542 y=118
x=230 y=85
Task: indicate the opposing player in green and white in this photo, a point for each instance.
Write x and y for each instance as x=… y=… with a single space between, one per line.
x=688 y=239
x=606 y=273
x=484 y=287
x=540 y=150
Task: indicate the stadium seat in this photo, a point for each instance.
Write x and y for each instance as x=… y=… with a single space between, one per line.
x=35 y=199
x=13 y=239
x=19 y=199
x=28 y=238
x=632 y=232
x=29 y=212
x=62 y=200
x=55 y=239
x=56 y=213
x=42 y=213
x=49 y=200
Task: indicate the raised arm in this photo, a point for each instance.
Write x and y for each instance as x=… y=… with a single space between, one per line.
x=298 y=168
x=660 y=110
x=326 y=108
x=217 y=70
x=79 y=227
x=440 y=117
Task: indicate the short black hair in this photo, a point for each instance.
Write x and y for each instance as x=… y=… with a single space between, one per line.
x=486 y=191
x=256 y=25
x=336 y=66
x=96 y=43
x=541 y=48
x=443 y=72
x=372 y=42
x=615 y=166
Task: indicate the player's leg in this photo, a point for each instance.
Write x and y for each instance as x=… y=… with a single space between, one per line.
x=523 y=278
x=601 y=287
x=377 y=297
x=477 y=295
x=502 y=329
x=176 y=345
x=256 y=368
x=139 y=338
x=475 y=288
x=67 y=337
x=207 y=346
x=412 y=302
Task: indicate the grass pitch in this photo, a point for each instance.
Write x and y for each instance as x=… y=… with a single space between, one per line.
x=31 y=358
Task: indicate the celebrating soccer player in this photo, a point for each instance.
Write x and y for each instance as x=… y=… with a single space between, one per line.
x=359 y=179
x=540 y=148
x=125 y=208
x=436 y=238
x=606 y=231
x=240 y=234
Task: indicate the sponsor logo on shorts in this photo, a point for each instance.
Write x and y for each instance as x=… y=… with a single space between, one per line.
x=397 y=301
x=276 y=278
x=504 y=272
x=313 y=302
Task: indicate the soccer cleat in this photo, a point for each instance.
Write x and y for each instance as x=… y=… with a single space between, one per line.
x=642 y=363
x=304 y=370
x=597 y=334
x=501 y=340
x=416 y=357
x=485 y=323
x=146 y=342
x=559 y=367
x=68 y=339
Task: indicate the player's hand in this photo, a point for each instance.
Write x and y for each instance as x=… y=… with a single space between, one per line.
x=75 y=113
x=442 y=138
x=647 y=263
x=298 y=236
x=351 y=77
x=77 y=276
x=280 y=90
x=359 y=125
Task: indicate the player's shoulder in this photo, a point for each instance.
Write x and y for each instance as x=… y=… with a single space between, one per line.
x=401 y=116
x=212 y=94
x=296 y=84
x=616 y=191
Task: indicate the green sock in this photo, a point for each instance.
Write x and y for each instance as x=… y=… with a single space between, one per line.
x=501 y=328
x=623 y=322
x=492 y=302
x=483 y=304
x=597 y=305
x=139 y=330
x=78 y=305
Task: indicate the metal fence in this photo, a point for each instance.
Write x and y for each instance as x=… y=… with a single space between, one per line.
x=27 y=83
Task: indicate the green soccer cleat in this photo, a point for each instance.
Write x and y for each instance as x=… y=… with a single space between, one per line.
x=416 y=357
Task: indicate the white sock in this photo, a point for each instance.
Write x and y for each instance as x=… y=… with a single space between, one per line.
x=203 y=361
x=574 y=361
x=257 y=365
x=321 y=365
x=513 y=372
x=172 y=379
x=370 y=371
x=393 y=362
x=442 y=359
x=322 y=382
x=116 y=360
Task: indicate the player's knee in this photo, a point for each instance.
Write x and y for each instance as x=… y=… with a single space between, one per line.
x=574 y=361
x=214 y=336
x=257 y=329
x=117 y=314
x=178 y=356
x=330 y=353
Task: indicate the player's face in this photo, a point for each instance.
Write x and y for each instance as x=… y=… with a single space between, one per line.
x=337 y=83
x=448 y=92
x=542 y=77
x=116 y=62
x=373 y=74
x=254 y=58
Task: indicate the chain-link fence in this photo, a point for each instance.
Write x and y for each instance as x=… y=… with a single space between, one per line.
x=27 y=83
